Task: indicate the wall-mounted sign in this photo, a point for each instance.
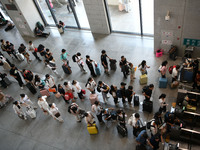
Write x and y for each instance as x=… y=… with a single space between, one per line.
x=191 y=42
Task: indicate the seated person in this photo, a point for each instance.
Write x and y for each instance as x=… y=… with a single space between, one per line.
x=38 y=32
x=188 y=101
x=3 y=21
x=10 y=26
x=61 y=24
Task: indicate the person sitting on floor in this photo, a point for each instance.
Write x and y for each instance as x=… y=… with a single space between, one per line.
x=38 y=32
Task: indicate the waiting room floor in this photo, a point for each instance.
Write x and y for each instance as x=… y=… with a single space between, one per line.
x=45 y=133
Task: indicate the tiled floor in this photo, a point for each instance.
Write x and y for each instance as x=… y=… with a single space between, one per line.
x=46 y=133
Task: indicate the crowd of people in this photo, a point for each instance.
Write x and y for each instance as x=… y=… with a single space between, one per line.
x=71 y=91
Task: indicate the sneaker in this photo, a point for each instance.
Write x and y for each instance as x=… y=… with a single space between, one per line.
x=22 y=88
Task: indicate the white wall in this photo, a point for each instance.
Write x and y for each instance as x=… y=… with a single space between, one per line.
x=113 y=2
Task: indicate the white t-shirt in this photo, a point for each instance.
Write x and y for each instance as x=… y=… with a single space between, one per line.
x=96 y=109
x=174 y=73
x=91 y=85
x=43 y=104
x=54 y=110
x=31 y=47
x=25 y=99
x=17 y=110
x=79 y=60
x=50 y=81
x=89 y=118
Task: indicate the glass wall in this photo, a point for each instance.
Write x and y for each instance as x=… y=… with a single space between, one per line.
x=148 y=16
x=126 y=16
x=45 y=12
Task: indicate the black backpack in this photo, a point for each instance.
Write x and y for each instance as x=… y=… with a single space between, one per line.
x=149 y=124
x=74 y=58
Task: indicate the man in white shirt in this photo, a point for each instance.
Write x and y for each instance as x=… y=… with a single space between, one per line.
x=91 y=85
x=80 y=62
x=43 y=104
x=50 y=82
x=25 y=99
x=175 y=73
x=33 y=49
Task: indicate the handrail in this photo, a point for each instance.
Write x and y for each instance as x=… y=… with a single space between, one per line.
x=192 y=113
x=188 y=130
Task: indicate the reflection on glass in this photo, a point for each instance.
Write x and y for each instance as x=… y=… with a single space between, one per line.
x=46 y=12
x=147 y=16
x=124 y=15
x=3 y=12
x=63 y=12
x=81 y=14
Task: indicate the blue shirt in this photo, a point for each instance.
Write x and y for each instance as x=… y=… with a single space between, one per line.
x=140 y=138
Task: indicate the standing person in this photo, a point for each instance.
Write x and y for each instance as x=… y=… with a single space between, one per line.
x=5 y=63
x=143 y=67
x=52 y=66
x=129 y=94
x=50 y=82
x=28 y=75
x=104 y=89
x=175 y=73
x=97 y=109
x=123 y=92
x=62 y=92
x=104 y=61
x=89 y=118
x=124 y=67
x=163 y=104
x=90 y=85
x=24 y=99
x=49 y=55
x=147 y=92
x=41 y=50
x=163 y=70
x=22 y=50
x=2 y=99
x=33 y=49
x=121 y=118
x=113 y=92
x=43 y=104
x=10 y=49
x=135 y=121
x=38 y=82
x=14 y=72
x=77 y=90
x=3 y=45
x=63 y=56
x=79 y=60
x=75 y=110
x=132 y=72
x=68 y=87
x=90 y=65
x=55 y=112
x=18 y=110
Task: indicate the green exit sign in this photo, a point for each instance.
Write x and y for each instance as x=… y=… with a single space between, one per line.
x=191 y=42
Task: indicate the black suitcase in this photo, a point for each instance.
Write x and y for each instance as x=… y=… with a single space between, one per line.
x=7 y=81
x=113 y=65
x=148 y=106
x=136 y=101
x=122 y=130
x=31 y=88
x=66 y=69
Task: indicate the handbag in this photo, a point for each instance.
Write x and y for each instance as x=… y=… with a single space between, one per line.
x=35 y=49
x=57 y=115
x=83 y=91
x=52 y=89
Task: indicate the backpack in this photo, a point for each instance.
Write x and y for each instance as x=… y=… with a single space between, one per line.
x=74 y=58
x=119 y=94
x=149 y=124
x=171 y=69
x=98 y=89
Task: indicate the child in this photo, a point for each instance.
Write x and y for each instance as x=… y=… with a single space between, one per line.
x=132 y=72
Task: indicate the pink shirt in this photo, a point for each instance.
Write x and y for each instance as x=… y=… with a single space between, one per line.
x=163 y=70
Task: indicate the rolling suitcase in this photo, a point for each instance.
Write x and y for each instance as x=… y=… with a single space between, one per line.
x=136 y=101
x=7 y=81
x=20 y=56
x=44 y=92
x=97 y=69
x=162 y=82
x=31 y=112
x=188 y=76
x=93 y=98
x=143 y=79
x=148 y=106
x=31 y=88
x=66 y=69
x=113 y=65
x=92 y=129
x=122 y=130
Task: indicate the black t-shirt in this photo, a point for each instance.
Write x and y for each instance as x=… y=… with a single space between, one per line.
x=10 y=47
x=128 y=93
x=148 y=92
x=14 y=72
x=123 y=91
x=61 y=91
x=104 y=60
x=89 y=63
x=22 y=49
x=122 y=63
x=28 y=76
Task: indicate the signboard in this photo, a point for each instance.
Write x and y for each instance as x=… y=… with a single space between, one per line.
x=191 y=42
